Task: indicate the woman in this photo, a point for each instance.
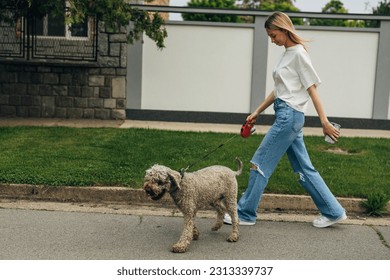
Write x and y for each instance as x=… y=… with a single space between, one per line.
x=296 y=82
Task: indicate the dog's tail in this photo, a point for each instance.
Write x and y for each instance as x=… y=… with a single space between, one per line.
x=239 y=171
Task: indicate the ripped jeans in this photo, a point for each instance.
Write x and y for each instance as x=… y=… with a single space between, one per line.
x=285 y=135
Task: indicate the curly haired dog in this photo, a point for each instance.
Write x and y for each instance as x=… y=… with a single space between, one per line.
x=214 y=185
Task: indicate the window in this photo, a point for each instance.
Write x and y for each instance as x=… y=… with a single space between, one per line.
x=55 y=26
x=51 y=26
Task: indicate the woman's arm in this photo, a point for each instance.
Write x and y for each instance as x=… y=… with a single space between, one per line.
x=264 y=105
x=327 y=127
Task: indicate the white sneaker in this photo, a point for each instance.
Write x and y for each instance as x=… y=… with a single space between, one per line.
x=228 y=220
x=322 y=221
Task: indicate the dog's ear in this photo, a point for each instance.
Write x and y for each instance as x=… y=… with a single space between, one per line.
x=175 y=179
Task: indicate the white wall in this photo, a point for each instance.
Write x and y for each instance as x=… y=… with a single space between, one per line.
x=209 y=69
x=201 y=69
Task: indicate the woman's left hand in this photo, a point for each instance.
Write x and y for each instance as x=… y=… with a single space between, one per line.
x=330 y=130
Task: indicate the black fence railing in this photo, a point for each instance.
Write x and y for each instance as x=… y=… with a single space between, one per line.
x=49 y=39
x=12 y=39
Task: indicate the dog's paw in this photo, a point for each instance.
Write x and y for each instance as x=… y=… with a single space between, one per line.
x=232 y=238
x=179 y=248
x=195 y=234
x=216 y=227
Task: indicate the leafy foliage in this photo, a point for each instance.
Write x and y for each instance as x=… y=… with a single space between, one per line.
x=114 y=13
x=281 y=5
x=220 y=4
x=336 y=7
x=376 y=203
x=382 y=9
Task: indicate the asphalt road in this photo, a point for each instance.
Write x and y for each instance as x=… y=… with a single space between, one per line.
x=58 y=235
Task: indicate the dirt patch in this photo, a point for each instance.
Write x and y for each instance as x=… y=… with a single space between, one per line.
x=339 y=151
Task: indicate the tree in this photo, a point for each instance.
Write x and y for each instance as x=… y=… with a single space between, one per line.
x=219 y=4
x=114 y=13
x=281 y=5
x=336 y=7
x=383 y=8
x=266 y=5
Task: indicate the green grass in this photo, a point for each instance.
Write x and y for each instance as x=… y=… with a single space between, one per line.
x=109 y=156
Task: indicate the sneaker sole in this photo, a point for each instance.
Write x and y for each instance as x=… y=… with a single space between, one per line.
x=342 y=218
x=241 y=223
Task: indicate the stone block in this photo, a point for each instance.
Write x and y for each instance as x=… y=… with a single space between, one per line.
x=119 y=87
x=75 y=113
x=95 y=103
x=34 y=112
x=4 y=99
x=22 y=111
x=48 y=106
x=80 y=102
x=7 y=111
x=15 y=100
x=104 y=92
x=89 y=113
x=110 y=103
x=121 y=103
x=96 y=81
x=61 y=112
x=118 y=114
x=115 y=49
x=74 y=91
x=27 y=100
x=60 y=90
x=64 y=101
x=103 y=114
x=66 y=79
x=24 y=77
x=51 y=78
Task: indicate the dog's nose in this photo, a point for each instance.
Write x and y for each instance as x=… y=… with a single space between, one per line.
x=148 y=190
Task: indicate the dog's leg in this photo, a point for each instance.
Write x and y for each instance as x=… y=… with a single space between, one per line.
x=186 y=236
x=221 y=210
x=195 y=233
x=231 y=207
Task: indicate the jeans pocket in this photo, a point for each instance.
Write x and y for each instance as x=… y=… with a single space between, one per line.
x=298 y=121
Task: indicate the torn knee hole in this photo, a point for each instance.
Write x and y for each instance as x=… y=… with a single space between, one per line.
x=301 y=176
x=257 y=168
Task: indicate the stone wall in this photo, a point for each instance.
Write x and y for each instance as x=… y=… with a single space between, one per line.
x=47 y=89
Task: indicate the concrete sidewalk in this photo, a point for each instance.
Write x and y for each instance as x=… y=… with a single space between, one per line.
x=138 y=235
x=178 y=126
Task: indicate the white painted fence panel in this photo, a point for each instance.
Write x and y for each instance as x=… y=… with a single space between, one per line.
x=209 y=69
x=202 y=68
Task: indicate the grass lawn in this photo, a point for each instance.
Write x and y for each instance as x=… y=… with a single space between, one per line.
x=58 y=156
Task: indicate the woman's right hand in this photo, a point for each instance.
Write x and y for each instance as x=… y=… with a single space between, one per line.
x=252 y=117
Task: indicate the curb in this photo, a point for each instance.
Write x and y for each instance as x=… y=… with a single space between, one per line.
x=124 y=195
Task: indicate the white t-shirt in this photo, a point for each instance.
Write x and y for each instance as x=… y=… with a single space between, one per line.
x=293 y=75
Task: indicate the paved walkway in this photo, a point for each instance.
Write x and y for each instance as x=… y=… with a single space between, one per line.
x=203 y=127
x=63 y=235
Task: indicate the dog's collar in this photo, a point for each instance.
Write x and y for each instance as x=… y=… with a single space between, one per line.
x=182 y=172
x=173 y=190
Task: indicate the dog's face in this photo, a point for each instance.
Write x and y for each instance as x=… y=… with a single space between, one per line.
x=158 y=180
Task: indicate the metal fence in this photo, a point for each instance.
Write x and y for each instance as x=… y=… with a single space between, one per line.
x=35 y=39
x=12 y=39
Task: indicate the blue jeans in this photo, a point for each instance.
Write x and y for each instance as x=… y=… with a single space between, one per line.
x=285 y=135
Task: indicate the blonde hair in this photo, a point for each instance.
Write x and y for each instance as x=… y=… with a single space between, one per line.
x=281 y=21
